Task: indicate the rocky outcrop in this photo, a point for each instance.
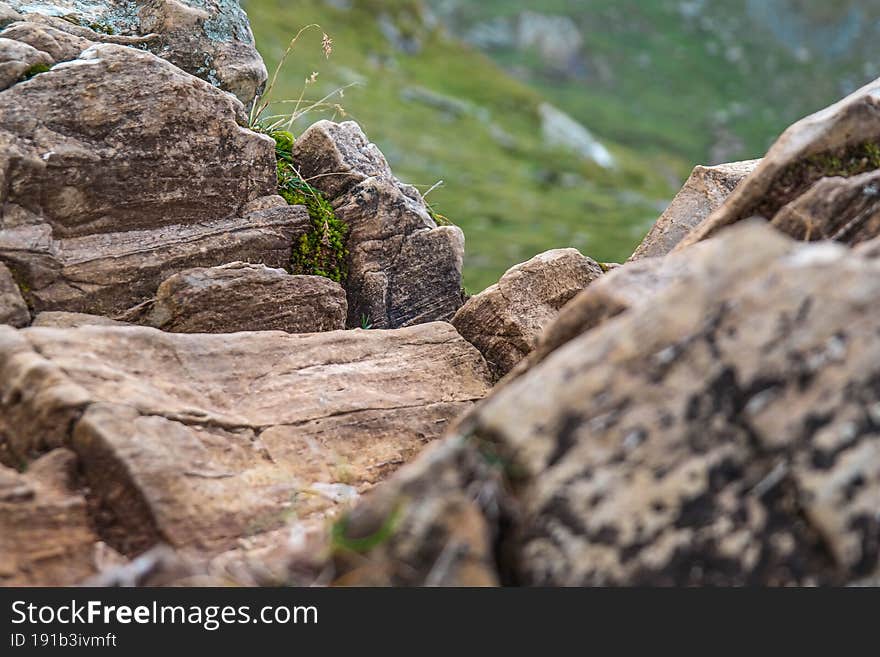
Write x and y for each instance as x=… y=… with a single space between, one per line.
x=244 y=297
x=726 y=433
x=46 y=536
x=200 y=440
x=403 y=268
x=840 y=141
x=704 y=192
x=211 y=40
x=120 y=170
x=13 y=309
x=505 y=320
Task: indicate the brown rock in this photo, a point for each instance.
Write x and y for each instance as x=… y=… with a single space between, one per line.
x=403 y=268
x=17 y=60
x=55 y=319
x=58 y=44
x=200 y=440
x=244 y=297
x=13 y=309
x=505 y=320
x=45 y=532
x=703 y=193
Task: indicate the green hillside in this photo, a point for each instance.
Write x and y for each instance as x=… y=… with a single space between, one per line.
x=447 y=112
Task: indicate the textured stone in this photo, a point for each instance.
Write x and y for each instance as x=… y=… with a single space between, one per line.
x=17 y=60
x=199 y=440
x=13 y=309
x=58 y=319
x=704 y=192
x=244 y=297
x=403 y=268
x=46 y=537
x=505 y=320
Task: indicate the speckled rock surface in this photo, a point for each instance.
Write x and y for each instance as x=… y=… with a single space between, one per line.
x=210 y=39
x=726 y=433
x=403 y=268
x=505 y=320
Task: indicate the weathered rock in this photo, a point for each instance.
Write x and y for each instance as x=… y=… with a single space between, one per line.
x=704 y=192
x=57 y=319
x=198 y=440
x=840 y=140
x=8 y=15
x=403 y=268
x=18 y=60
x=563 y=131
x=13 y=309
x=505 y=320
x=88 y=224
x=244 y=297
x=211 y=40
x=725 y=434
x=46 y=537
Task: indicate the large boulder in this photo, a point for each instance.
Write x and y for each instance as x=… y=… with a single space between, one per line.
x=840 y=141
x=211 y=40
x=200 y=440
x=46 y=535
x=725 y=434
x=244 y=297
x=704 y=192
x=403 y=268
x=13 y=309
x=505 y=320
x=119 y=170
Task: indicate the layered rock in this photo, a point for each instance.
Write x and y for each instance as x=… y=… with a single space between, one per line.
x=505 y=320
x=211 y=40
x=840 y=141
x=726 y=433
x=13 y=309
x=120 y=170
x=704 y=192
x=199 y=440
x=46 y=535
x=403 y=268
x=244 y=297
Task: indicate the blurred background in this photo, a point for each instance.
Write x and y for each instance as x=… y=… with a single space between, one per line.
x=565 y=122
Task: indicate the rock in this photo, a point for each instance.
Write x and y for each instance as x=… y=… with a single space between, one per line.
x=403 y=268
x=703 y=193
x=556 y=39
x=55 y=319
x=505 y=320
x=8 y=15
x=86 y=222
x=562 y=131
x=13 y=309
x=45 y=531
x=244 y=297
x=839 y=140
x=724 y=434
x=212 y=40
x=199 y=440
x=18 y=60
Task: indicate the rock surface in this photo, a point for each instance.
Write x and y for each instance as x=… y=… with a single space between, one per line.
x=211 y=40
x=843 y=139
x=725 y=434
x=200 y=440
x=58 y=319
x=704 y=192
x=403 y=268
x=86 y=222
x=13 y=309
x=244 y=297
x=505 y=320
x=18 y=60
x=46 y=537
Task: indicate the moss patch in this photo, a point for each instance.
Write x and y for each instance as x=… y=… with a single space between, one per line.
x=36 y=69
x=321 y=251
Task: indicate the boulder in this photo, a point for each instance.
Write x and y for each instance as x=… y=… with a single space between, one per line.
x=19 y=60
x=86 y=221
x=46 y=536
x=244 y=297
x=403 y=268
x=211 y=40
x=725 y=434
x=58 y=319
x=200 y=440
x=840 y=141
x=13 y=309
x=505 y=320
x=704 y=192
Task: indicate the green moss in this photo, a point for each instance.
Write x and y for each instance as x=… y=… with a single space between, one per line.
x=36 y=69
x=321 y=251
x=342 y=541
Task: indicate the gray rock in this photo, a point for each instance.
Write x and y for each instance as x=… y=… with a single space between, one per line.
x=562 y=131
x=13 y=309
x=244 y=297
